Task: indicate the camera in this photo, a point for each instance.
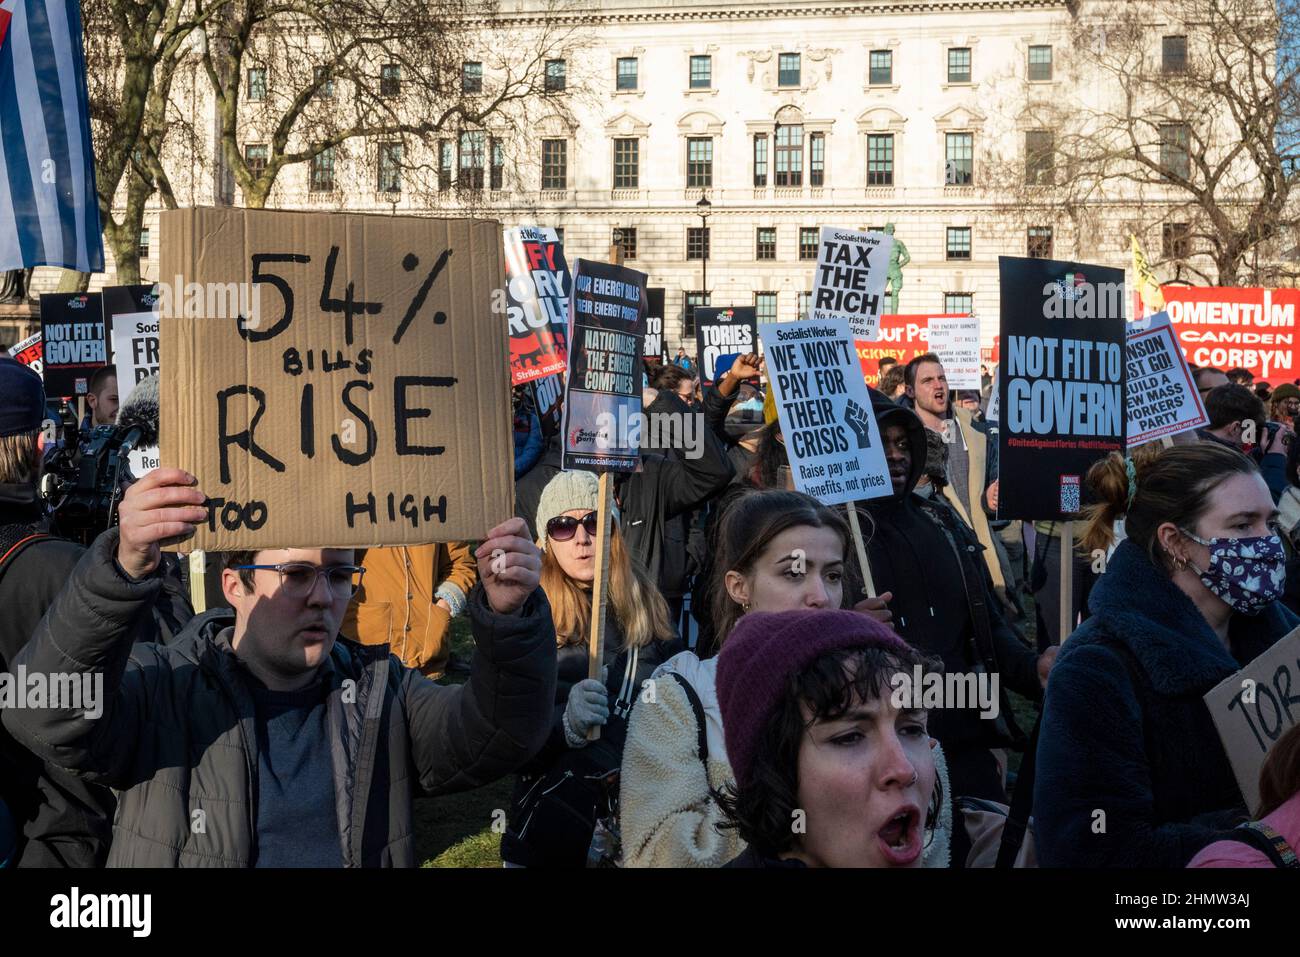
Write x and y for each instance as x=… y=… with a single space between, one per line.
x=84 y=479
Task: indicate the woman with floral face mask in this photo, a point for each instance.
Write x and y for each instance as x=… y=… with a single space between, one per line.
x=1131 y=772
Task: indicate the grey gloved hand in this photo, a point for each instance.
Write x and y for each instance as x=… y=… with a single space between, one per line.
x=588 y=706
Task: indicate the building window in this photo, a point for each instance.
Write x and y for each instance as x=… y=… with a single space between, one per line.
x=446 y=161
x=701 y=72
x=1173 y=54
x=760 y=159
x=765 y=243
x=693 y=299
x=472 y=144
x=556 y=72
x=390 y=167
x=142 y=247
x=625 y=236
x=471 y=77
x=789 y=155
x=498 y=163
x=625 y=77
x=960 y=155
x=958 y=245
x=1040 y=158
x=697 y=242
x=627 y=164
x=805 y=299
x=789 y=69
x=1174 y=138
x=555 y=166
x=255 y=155
x=958 y=303
x=324 y=82
x=882 y=67
x=816 y=159
x=765 y=306
x=1040 y=63
x=880 y=159
x=390 y=80
x=1176 y=241
x=959 y=64
x=322 y=171
x=1040 y=242
x=809 y=241
x=257 y=84
x=699 y=162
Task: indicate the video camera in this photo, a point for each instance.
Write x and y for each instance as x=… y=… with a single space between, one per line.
x=84 y=478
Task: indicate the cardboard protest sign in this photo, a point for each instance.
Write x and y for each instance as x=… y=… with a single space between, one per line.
x=72 y=333
x=131 y=317
x=830 y=433
x=1255 y=707
x=655 y=347
x=602 y=398
x=956 y=341
x=29 y=352
x=727 y=331
x=1062 y=385
x=537 y=303
x=335 y=379
x=1228 y=328
x=849 y=283
x=1162 y=397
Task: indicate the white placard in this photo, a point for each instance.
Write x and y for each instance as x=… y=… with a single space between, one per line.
x=849 y=283
x=830 y=430
x=135 y=348
x=1162 y=397
x=956 y=341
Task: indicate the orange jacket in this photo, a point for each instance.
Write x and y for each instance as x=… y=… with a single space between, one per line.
x=397 y=602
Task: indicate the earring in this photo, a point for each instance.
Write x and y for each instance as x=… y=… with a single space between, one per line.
x=745 y=607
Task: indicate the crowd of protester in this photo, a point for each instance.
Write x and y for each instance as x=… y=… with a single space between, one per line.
x=744 y=713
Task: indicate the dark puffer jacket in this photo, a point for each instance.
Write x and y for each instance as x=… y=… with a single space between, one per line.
x=1125 y=729
x=176 y=736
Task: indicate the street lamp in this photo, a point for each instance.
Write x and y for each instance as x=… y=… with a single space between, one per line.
x=704 y=208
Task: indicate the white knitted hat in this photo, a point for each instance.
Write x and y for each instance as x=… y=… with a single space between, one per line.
x=568 y=490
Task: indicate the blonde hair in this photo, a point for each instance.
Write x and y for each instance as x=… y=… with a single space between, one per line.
x=641 y=611
x=20 y=458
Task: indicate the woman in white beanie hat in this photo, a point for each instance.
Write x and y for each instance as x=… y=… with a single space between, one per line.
x=562 y=792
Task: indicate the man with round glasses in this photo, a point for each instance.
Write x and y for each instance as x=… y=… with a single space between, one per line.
x=261 y=738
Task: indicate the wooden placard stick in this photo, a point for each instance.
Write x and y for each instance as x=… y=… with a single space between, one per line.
x=1067 y=580
x=600 y=586
x=858 y=543
x=198 y=581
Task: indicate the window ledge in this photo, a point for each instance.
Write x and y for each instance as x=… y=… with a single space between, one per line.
x=878 y=192
x=555 y=196
x=967 y=85
x=636 y=93
x=625 y=195
x=701 y=91
x=881 y=88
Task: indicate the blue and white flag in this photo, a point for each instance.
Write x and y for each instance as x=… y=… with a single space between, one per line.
x=49 y=210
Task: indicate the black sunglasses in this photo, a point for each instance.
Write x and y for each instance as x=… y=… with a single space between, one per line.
x=564 y=527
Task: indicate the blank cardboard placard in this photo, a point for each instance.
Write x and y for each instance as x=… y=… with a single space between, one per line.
x=335 y=380
x=1253 y=708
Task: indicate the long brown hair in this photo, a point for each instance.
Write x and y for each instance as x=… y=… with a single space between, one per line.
x=747 y=527
x=1173 y=485
x=634 y=600
x=1279 y=778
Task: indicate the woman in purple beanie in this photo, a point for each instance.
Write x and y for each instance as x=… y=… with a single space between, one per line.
x=829 y=770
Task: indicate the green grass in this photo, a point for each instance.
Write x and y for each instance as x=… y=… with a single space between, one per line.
x=457 y=830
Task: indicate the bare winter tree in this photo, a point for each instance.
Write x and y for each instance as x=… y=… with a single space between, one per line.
x=1188 y=134
x=133 y=51
x=387 y=80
